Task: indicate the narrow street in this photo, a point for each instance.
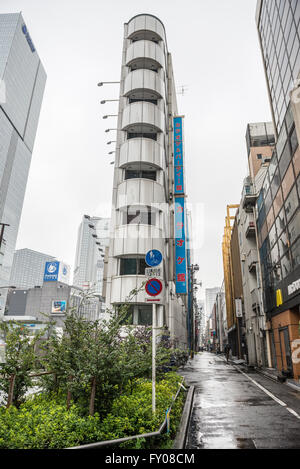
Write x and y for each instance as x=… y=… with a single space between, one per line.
x=235 y=409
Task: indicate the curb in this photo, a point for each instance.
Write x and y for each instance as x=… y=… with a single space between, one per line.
x=180 y=439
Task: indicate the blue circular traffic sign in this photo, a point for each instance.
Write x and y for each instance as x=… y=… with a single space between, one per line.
x=153 y=287
x=153 y=258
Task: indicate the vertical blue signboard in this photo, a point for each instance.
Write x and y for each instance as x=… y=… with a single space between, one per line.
x=178 y=156
x=51 y=271
x=180 y=247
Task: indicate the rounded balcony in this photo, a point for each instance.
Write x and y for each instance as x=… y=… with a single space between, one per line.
x=146 y=27
x=140 y=191
x=137 y=239
x=122 y=285
x=137 y=151
x=143 y=117
x=144 y=84
x=145 y=54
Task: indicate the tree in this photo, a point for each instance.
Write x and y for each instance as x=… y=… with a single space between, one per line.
x=21 y=359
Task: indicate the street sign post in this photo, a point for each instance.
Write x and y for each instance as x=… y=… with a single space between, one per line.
x=153 y=289
x=153 y=258
x=153 y=272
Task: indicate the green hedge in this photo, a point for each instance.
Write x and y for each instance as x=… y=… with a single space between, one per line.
x=43 y=421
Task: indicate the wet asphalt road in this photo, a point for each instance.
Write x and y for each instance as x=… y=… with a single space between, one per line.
x=231 y=412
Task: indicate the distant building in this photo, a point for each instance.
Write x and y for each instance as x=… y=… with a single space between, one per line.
x=210 y=298
x=22 y=83
x=52 y=299
x=28 y=268
x=93 y=238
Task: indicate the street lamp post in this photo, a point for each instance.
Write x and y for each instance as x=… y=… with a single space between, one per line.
x=107 y=100
x=107 y=83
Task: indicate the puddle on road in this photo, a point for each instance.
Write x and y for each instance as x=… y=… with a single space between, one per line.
x=224 y=442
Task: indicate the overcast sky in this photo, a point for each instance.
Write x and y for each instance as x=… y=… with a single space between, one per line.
x=216 y=55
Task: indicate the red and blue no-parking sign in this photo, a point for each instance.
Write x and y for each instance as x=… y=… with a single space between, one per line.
x=153 y=287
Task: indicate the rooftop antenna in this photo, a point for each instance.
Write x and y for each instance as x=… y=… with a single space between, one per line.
x=182 y=90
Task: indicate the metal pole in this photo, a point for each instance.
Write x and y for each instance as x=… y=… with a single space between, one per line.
x=153 y=355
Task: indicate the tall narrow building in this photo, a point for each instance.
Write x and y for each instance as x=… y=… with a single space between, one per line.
x=278 y=204
x=22 y=82
x=148 y=188
x=93 y=238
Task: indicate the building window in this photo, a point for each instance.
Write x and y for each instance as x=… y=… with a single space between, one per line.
x=132 y=266
x=285 y=265
x=296 y=254
x=294 y=227
x=294 y=141
x=138 y=315
x=135 y=215
x=142 y=174
x=285 y=160
x=259 y=156
x=291 y=204
x=152 y=136
x=145 y=315
x=136 y=100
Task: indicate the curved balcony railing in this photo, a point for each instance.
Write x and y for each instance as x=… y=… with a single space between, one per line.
x=144 y=84
x=143 y=117
x=142 y=150
x=146 y=26
x=122 y=285
x=145 y=54
x=140 y=191
x=137 y=240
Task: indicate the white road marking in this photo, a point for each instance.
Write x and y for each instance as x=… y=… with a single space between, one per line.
x=293 y=412
x=283 y=404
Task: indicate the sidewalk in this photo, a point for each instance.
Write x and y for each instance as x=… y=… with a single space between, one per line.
x=270 y=373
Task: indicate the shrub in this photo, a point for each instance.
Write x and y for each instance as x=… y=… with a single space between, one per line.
x=43 y=422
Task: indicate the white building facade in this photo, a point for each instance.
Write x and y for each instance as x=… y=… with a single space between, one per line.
x=143 y=187
x=28 y=268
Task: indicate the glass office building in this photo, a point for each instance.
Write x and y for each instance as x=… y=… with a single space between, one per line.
x=22 y=82
x=278 y=222
x=280 y=39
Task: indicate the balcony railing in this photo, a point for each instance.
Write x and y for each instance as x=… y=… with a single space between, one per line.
x=250 y=226
x=249 y=197
x=252 y=260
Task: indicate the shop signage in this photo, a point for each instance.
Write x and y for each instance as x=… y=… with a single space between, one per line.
x=28 y=38
x=295 y=286
x=59 y=306
x=180 y=247
x=238 y=308
x=178 y=156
